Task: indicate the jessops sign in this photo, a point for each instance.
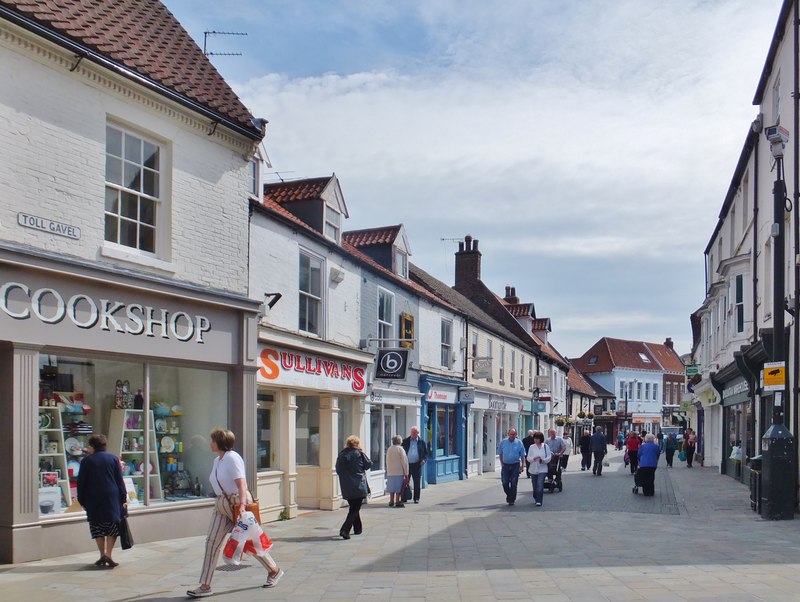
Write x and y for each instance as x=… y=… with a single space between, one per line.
x=49 y=309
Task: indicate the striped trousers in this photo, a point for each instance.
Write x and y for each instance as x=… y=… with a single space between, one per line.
x=220 y=526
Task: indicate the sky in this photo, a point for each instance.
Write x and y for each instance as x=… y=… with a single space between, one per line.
x=587 y=145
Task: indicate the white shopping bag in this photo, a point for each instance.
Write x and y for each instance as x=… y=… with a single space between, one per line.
x=247 y=536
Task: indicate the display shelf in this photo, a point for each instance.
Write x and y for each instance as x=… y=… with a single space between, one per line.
x=126 y=430
x=52 y=459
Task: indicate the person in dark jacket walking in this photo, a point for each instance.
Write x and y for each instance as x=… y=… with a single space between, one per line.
x=599 y=447
x=586 y=450
x=671 y=446
x=352 y=466
x=102 y=493
x=417 y=453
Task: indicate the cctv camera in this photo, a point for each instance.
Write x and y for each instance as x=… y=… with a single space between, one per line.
x=777 y=134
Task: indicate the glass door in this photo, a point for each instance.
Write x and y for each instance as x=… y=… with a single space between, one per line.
x=389 y=428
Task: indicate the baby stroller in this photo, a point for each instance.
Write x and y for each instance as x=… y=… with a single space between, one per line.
x=553 y=478
x=637 y=481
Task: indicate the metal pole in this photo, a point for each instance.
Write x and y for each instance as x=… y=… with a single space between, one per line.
x=778 y=354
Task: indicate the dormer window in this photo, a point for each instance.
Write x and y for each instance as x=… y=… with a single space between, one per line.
x=254 y=178
x=400 y=263
x=593 y=360
x=333 y=224
x=644 y=358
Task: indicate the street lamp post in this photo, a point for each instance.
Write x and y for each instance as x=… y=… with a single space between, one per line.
x=777 y=444
x=534 y=404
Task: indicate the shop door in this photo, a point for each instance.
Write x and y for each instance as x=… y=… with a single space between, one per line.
x=389 y=430
x=489 y=442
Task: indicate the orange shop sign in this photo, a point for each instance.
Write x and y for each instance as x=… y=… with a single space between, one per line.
x=308 y=371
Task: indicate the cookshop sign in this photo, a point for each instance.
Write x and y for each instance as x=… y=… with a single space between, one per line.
x=45 y=309
x=287 y=367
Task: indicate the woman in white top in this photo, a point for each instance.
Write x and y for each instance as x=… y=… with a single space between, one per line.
x=538 y=457
x=567 y=449
x=228 y=481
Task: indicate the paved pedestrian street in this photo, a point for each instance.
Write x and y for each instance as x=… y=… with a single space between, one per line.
x=697 y=539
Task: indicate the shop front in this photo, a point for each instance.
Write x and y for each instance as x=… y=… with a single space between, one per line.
x=445 y=411
x=310 y=399
x=739 y=436
x=153 y=365
x=490 y=418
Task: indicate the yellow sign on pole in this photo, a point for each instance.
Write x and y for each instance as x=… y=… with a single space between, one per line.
x=774 y=376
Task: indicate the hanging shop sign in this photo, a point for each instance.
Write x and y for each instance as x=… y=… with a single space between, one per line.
x=391 y=364
x=305 y=370
x=482 y=367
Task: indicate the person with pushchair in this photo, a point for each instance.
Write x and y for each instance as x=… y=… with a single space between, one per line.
x=557 y=449
x=648 y=462
x=538 y=459
x=632 y=444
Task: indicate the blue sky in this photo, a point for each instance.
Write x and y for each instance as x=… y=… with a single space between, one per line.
x=587 y=145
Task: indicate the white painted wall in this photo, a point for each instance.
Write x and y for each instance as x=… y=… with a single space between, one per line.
x=52 y=164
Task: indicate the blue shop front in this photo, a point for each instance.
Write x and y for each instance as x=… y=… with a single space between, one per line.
x=445 y=408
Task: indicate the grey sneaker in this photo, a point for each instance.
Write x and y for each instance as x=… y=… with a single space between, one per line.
x=199 y=592
x=272 y=580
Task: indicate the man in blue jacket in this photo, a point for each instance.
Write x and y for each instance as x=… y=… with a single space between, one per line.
x=417 y=453
x=512 y=457
x=599 y=446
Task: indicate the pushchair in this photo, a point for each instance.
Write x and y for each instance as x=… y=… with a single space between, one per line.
x=553 y=478
x=637 y=481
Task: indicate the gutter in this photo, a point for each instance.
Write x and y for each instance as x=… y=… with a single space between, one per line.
x=100 y=59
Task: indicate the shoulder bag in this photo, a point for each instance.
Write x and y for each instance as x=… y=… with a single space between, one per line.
x=232 y=502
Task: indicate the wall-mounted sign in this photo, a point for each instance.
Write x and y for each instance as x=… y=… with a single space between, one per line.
x=443 y=395
x=48 y=225
x=774 y=376
x=542 y=382
x=466 y=394
x=391 y=364
x=482 y=367
x=306 y=370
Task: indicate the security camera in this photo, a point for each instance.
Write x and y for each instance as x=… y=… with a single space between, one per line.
x=778 y=136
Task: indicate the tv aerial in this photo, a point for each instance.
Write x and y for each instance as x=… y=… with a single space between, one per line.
x=206 y=34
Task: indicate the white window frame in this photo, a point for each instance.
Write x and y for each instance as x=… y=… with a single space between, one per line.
x=502 y=364
x=655 y=391
x=160 y=200
x=333 y=227
x=490 y=355
x=474 y=350
x=512 y=375
x=738 y=307
x=447 y=343
x=400 y=263
x=522 y=372
x=308 y=295
x=385 y=321
x=530 y=374
x=254 y=188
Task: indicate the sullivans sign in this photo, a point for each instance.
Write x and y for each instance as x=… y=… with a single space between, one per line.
x=49 y=306
x=286 y=367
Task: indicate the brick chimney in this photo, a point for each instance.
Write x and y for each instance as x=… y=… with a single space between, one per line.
x=468 y=263
x=668 y=343
x=511 y=296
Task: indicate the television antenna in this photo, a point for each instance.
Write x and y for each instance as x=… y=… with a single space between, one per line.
x=206 y=34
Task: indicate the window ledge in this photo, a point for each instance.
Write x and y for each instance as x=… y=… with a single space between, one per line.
x=113 y=251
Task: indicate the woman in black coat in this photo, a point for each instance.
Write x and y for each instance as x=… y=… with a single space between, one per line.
x=102 y=493
x=352 y=466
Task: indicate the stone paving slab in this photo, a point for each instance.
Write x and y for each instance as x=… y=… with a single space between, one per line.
x=695 y=540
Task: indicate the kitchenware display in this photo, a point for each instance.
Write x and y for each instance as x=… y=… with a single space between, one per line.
x=73 y=446
x=167 y=444
x=46 y=506
x=44 y=420
x=73 y=467
x=161 y=425
x=162 y=411
x=177 y=410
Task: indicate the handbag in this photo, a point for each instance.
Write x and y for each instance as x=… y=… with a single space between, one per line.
x=125 y=536
x=230 y=506
x=682 y=456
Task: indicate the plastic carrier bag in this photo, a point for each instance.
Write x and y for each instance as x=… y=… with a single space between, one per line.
x=247 y=537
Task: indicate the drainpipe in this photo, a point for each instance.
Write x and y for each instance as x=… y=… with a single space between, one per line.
x=796 y=224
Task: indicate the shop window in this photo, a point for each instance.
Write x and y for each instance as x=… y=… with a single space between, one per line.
x=345 y=421
x=310 y=309
x=307 y=430
x=266 y=448
x=134 y=182
x=376 y=438
x=161 y=435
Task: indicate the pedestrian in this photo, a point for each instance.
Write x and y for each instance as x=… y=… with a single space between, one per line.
x=586 y=451
x=689 y=444
x=568 y=445
x=102 y=493
x=620 y=440
x=352 y=466
x=648 y=462
x=660 y=438
x=632 y=444
x=526 y=443
x=538 y=458
x=230 y=486
x=599 y=447
x=512 y=456
x=396 y=472
x=417 y=453
x=671 y=446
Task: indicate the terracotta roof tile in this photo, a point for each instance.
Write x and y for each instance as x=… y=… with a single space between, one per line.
x=297 y=190
x=143 y=36
x=372 y=236
x=576 y=382
x=520 y=310
x=541 y=324
x=667 y=357
x=619 y=353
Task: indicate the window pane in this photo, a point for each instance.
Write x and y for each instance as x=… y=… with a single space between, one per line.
x=305 y=270
x=111 y=228
x=302 y=323
x=133 y=149
x=147 y=212
x=133 y=177
x=150 y=155
x=313 y=316
x=264 y=429
x=307 y=430
x=150 y=184
x=127 y=233
x=112 y=200
x=113 y=142
x=113 y=170
x=315 y=278
x=130 y=205
x=147 y=238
